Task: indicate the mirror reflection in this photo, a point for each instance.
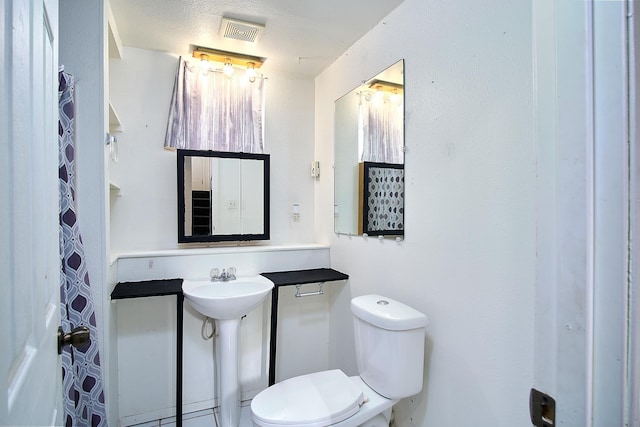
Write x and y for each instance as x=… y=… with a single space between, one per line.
x=222 y=196
x=369 y=156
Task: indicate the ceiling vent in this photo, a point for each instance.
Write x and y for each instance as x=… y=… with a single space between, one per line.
x=240 y=30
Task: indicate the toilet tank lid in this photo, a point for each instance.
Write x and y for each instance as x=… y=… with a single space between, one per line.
x=387 y=313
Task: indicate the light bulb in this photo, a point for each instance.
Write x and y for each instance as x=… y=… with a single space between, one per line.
x=204 y=65
x=395 y=98
x=379 y=96
x=228 y=68
x=251 y=72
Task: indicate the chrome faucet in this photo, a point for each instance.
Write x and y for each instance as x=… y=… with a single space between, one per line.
x=228 y=274
x=225 y=276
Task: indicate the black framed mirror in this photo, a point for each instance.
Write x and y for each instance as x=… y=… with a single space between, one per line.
x=222 y=196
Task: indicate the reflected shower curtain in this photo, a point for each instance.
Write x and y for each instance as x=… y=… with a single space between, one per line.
x=210 y=111
x=381 y=128
x=83 y=393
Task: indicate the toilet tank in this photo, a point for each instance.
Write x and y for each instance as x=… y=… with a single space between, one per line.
x=389 y=338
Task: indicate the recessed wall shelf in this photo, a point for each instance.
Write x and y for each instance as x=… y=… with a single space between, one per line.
x=114 y=121
x=115 y=188
x=115 y=45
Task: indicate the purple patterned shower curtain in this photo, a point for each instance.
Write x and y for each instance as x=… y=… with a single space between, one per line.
x=83 y=392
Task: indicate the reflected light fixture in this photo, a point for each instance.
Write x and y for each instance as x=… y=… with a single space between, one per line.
x=395 y=98
x=228 y=68
x=379 y=92
x=386 y=90
x=384 y=86
x=230 y=60
x=204 y=65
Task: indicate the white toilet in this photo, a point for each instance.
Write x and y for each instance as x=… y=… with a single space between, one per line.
x=389 y=338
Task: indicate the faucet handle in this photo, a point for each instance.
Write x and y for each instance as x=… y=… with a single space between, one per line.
x=231 y=271
x=214 y=274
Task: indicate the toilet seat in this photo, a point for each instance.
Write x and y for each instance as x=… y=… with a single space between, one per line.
x=313 y=400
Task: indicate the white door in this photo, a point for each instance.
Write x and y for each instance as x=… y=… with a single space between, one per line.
x=581 y=131
x=30 y=373
x=634 y=89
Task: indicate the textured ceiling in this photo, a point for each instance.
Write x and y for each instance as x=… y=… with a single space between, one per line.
x=301 y=36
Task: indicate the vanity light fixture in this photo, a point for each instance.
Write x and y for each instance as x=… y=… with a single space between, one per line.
x=251 y=72
x=230 y=60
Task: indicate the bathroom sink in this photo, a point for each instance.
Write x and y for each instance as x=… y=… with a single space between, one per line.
x=227 y=300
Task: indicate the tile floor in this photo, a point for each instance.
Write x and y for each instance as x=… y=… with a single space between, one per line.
x=203 y=418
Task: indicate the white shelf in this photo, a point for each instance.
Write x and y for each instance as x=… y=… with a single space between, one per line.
x=114 y=120
x=115 y=188
x=115 y=45
x=115 y=51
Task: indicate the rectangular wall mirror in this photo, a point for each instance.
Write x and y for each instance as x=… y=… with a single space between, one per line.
x=222 y=196
x=369 y=157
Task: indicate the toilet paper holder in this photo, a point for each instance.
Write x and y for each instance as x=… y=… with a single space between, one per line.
x=299 y=294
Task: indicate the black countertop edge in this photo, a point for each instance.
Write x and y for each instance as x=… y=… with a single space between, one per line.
x=161 y=287
x=147 y=288
x=300 y=277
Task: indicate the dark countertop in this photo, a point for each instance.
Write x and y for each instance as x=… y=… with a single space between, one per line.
x=161 y=287
x=300 y=277
x=147 y=288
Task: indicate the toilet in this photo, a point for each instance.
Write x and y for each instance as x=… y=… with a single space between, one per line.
x=389 y=338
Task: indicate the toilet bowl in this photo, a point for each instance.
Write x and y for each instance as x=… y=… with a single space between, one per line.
x=389 y=340
x=319 y=399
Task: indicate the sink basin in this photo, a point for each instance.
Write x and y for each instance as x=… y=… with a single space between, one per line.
x=227 y=300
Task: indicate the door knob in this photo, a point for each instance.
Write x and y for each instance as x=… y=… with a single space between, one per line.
x=77 y=337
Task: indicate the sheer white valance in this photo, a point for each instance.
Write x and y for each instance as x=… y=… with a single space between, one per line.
x=210 y=111
x=381 y=128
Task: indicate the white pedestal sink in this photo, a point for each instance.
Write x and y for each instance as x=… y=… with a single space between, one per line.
x=227 y=302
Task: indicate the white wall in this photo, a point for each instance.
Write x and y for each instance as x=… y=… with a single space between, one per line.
x=144 y=213
x=468 y=258
x=143 y=218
